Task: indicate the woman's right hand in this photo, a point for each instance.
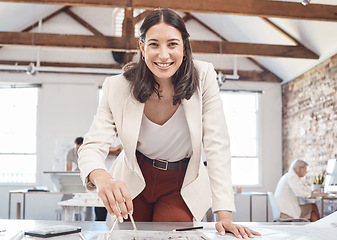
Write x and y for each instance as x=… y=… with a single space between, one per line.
x=114 y=194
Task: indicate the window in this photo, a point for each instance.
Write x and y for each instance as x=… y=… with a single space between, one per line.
x=119 y=18
x=241 y=111
x=18 y=134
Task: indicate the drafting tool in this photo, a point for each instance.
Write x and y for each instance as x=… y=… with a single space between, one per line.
x=134 y=226
x=18 y=236
x=82 y=237
x=112 y=228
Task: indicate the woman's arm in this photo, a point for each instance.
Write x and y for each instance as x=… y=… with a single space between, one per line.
x=92 y=155
x=216 y=142
x=218 y=157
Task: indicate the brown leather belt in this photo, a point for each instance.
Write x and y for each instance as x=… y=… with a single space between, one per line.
x=164 y=164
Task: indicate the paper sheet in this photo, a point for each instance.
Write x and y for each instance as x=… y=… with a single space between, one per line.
x=324 y=229
x=154 y=235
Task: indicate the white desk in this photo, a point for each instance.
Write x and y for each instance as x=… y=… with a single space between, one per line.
x=321 y=202
x=324 y=199
x=77 y=205
x=24 y=192
x=91 y=230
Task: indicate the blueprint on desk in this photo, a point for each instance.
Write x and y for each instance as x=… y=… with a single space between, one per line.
x=324 y=229
x=154 y=235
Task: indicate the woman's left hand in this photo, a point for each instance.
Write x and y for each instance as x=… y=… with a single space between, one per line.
x=225 y=223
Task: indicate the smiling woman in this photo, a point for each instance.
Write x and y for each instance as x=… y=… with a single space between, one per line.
x=165 y=107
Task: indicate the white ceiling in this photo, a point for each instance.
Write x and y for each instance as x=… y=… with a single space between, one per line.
x=319 y=36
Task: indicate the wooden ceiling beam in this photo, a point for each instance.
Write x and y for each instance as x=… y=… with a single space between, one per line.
x=141 y=16
x=82 y=22
x=64 y=41
x=131 y=45
x=271 y=75
x=89 y=3
x=189 y=16
x=278 y=9
x=128 y=31
x=280 y=30
x=251 y=49
x=255 y=76
x=45 y=19
x=62 y=64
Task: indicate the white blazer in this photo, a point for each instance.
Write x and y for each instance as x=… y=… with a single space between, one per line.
x=120 y=111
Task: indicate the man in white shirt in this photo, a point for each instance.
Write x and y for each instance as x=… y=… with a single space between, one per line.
x=290 y=188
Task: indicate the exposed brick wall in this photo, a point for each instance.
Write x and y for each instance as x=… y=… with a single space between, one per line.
x=310 y=117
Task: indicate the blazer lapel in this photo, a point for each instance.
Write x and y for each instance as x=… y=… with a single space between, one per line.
x=192 y=109
x=132 y=118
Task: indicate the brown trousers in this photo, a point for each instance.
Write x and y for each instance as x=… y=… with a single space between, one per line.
x=161 y=200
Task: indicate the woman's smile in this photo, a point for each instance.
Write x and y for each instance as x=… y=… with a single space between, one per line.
x=163 y=65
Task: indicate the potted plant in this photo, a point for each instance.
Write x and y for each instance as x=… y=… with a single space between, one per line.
x=318 y=182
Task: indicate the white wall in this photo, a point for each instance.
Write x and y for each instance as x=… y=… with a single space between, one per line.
x=67 y=104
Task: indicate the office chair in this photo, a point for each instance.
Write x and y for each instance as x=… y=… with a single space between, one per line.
x=276 y=212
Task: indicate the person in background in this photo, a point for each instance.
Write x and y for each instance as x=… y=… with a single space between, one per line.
x=114 y=151
x=72 y=156
x=164 y=107
x=290 y=188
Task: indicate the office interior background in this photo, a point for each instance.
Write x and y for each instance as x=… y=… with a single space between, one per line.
x=294 y=114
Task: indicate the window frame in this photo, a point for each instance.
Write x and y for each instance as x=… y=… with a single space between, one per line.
x=24 y=153
x=258 y=133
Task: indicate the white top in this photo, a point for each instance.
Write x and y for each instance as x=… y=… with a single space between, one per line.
x=170 y=141
x=288 y=190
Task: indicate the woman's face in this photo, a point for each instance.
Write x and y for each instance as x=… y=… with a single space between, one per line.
x=163 y=50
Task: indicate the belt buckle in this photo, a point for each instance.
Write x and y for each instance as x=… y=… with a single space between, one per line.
x=160 y=160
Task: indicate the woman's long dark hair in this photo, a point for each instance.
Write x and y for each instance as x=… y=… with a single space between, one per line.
x=185 y=80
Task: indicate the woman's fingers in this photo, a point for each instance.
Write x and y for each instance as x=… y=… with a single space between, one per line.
x=235 y=230
x=220 y=228
x=243 y=232
x=128 y=200
x=113 y=205
x=106 y=203
x=119 y=200
x=239 y=231
x=116 y=199
x=251 y=233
